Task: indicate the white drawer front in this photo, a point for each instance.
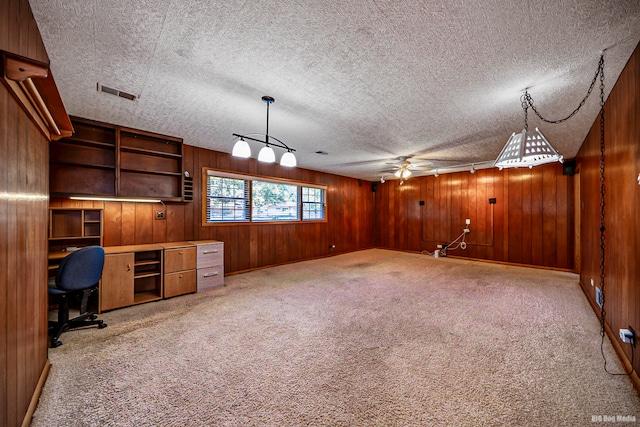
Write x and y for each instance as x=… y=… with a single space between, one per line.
x=210 y=277
x=210 y=255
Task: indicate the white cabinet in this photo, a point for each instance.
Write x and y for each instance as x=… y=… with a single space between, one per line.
x=209 y=264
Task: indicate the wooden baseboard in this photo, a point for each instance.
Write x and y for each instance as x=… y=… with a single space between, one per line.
x=294 y=261
x=490 y=261
x=624 y=360
x=26 y=422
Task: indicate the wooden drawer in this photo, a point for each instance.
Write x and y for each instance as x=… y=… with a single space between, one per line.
x=180 y=283
x=210 y=255
x=179 y=259
x=210 y=277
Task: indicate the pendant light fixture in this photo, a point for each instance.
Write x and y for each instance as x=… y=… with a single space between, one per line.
x=266 y=154
x=528 y=148
x=531 y=148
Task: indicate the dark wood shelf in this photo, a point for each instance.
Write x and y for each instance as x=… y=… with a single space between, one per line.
x=150 y=152
x=85 y=165
x=151 y=172
x=87 y=142
x=74 y=237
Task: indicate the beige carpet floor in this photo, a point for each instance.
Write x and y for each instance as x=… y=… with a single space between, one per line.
x=368 y=338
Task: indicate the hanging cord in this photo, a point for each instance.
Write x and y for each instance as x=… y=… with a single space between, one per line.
x=603 y=312
x=528 y=100
x=459 y=242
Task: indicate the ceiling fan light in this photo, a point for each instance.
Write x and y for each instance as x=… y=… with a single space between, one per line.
x=267 y=155
x=288 y=160
x=241 y=149
x=406 y=173
x=398 y=173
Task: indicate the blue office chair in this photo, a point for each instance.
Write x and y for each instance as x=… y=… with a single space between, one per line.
x=78 y=276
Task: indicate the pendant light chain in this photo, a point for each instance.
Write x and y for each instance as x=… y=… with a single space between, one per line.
x=600 y=72
x=602 y=201
x=603 y=313
x=525 y=107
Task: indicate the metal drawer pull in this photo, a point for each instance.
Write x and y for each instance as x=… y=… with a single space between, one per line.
x=210 y=252
x=210 y=274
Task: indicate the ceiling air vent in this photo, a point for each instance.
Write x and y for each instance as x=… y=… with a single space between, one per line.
x=116 y=92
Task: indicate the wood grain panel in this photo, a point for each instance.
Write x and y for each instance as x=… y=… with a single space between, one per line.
x=23 y=225
x=515 y=213
x=622 y=200
x=349 y=225
x=451 y=198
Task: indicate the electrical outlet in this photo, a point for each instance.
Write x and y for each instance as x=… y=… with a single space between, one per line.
x=160 y=215
x=599 y=299
x=468 y=221
x=628 y=335
x=439 y=246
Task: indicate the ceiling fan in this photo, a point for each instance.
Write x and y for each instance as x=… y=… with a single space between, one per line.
x=403 y=168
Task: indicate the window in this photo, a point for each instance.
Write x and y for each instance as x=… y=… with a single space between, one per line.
x=312 y=203
x=227 y=199
x=274 y=202
x=240 y=198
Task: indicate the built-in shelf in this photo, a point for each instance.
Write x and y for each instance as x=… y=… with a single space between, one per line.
x=150 y=172
x=142 y=297
x=72 y=228
x=150 y=152
x=102 y=159
x=89 y=143
x=142 y=275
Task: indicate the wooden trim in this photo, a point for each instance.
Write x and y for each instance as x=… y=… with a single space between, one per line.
x=33 y=404
x=252 y=177
x=149 y=134
x=31 y=84
x=233 y=273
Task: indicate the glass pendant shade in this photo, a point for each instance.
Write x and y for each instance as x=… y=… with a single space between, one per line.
x=267 y=155
x=406 y=173
x=527 y=149
x=241 y=149
x=288 y=159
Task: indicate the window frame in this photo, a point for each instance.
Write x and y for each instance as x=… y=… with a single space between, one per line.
x=206 y=172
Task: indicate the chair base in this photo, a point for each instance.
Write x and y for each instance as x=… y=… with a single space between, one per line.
x=57 y=328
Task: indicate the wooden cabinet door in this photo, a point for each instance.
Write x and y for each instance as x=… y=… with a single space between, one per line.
x=116 y=286
x=179 y=259
x=180 y=283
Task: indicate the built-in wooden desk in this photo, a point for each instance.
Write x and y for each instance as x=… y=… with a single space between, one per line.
x=137 y=274
x=131 y=275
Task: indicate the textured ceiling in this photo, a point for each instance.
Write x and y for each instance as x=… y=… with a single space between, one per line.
x=367 y=81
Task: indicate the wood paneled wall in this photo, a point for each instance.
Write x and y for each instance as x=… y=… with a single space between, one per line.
x=622 y=203
x=530 y=223
x=24 y=193
x=349 y=226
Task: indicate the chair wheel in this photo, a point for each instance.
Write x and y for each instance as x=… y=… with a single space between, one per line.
x=93 y=317
x=55 y=344
x=102 y=325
